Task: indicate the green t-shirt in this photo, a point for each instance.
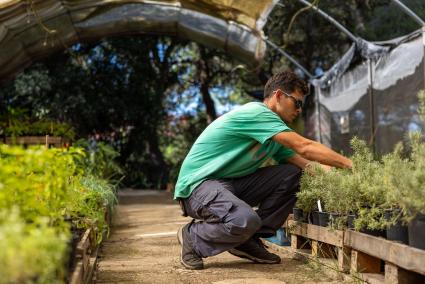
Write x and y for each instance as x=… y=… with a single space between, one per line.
x=234 y=145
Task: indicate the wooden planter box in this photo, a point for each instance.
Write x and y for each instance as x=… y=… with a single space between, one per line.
x=86 y=260
x=48 y=141
x=86 y=256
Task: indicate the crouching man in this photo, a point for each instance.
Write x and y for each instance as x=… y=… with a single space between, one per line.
x=221 y=180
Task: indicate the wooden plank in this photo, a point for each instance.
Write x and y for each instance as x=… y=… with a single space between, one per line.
x=37 y=140
x=372 y=278
x=296 y=242
x=77 y=276
x=91 y=270
x=397 y=275
x=363 y=263
x=92 y=266
x=84 y=244
x=86 y=264
x=321 y=234
x=344 y=259
x=401 y=255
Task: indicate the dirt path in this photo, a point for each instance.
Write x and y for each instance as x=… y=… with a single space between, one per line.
x=142 y=248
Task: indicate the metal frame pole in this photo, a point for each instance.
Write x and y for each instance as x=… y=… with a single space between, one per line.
x=419 y=21
x=330 y=19
x=284 y=53
x=409 y=12
x=372 y=105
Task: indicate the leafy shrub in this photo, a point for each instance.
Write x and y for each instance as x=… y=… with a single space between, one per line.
x=91 y=196
x=30 y=254
x=42 y=188
x=101 y=160
x=396 y=181
x=16 y=123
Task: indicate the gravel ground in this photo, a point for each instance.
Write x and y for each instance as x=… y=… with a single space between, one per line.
x=142 y=248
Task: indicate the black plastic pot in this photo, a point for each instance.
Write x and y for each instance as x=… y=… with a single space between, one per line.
x=314 y=218
x=323 y=219
x=398 y=231
x=332 y=218
x=417 y=232
x=374 y=232
x=350 y=221
x=299 y=214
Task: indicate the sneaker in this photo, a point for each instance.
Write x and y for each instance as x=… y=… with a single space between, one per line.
x=255 y=250
x=188 y=257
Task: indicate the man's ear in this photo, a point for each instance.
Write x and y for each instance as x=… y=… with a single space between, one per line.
x=278 y=94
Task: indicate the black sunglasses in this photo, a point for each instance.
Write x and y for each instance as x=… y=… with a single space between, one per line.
x=298 y=103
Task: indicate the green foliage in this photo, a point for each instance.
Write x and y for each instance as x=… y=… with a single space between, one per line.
x=411 y=197
x=101 y=160
x=371 y=187
x=36 y=181
x=30 y=254
x=40 y=188
x=91 y=195
x=313 y=185
x=16 y=122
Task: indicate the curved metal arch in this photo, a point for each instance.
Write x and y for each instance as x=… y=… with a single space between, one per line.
x=30 y=31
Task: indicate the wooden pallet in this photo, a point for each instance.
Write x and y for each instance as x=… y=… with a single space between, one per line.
x=322 y=241
x=361 y=254
x=403 y=264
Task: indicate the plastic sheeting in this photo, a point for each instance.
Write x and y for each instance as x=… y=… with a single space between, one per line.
x=374 y=98
x=32 y=29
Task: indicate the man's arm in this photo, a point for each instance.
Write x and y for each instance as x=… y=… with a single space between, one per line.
x=298 y=161
x=303 y=163
x=309 y=150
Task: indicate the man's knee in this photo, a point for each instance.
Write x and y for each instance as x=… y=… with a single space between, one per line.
x=246 y=223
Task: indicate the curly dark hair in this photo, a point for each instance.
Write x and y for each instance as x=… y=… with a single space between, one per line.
x=287 y=81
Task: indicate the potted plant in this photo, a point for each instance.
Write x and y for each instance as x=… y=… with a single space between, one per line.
x=311 y=187
x=412 y=198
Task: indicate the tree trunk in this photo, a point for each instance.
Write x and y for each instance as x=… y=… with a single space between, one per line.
x=205 y=79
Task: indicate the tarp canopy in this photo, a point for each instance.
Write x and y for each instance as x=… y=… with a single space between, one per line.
x=374 y=98
x=35 y=28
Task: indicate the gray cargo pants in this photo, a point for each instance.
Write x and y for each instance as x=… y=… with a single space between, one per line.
x=224 y=213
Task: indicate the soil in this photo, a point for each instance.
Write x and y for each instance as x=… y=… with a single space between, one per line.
x=143 y=248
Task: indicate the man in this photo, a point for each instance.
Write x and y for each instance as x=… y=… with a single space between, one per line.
x=221 y=180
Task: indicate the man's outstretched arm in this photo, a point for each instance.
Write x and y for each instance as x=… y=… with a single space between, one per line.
x=311 y=150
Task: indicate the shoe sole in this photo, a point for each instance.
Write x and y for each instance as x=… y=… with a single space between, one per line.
x=180 y=240
x=242 y=254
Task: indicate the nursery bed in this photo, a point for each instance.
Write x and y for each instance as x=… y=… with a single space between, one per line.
x=87 y=256
x=361 y=254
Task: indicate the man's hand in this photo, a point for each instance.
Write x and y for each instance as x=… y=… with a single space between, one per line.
x=315 y=168
x=326 y=168
x=306 y=164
